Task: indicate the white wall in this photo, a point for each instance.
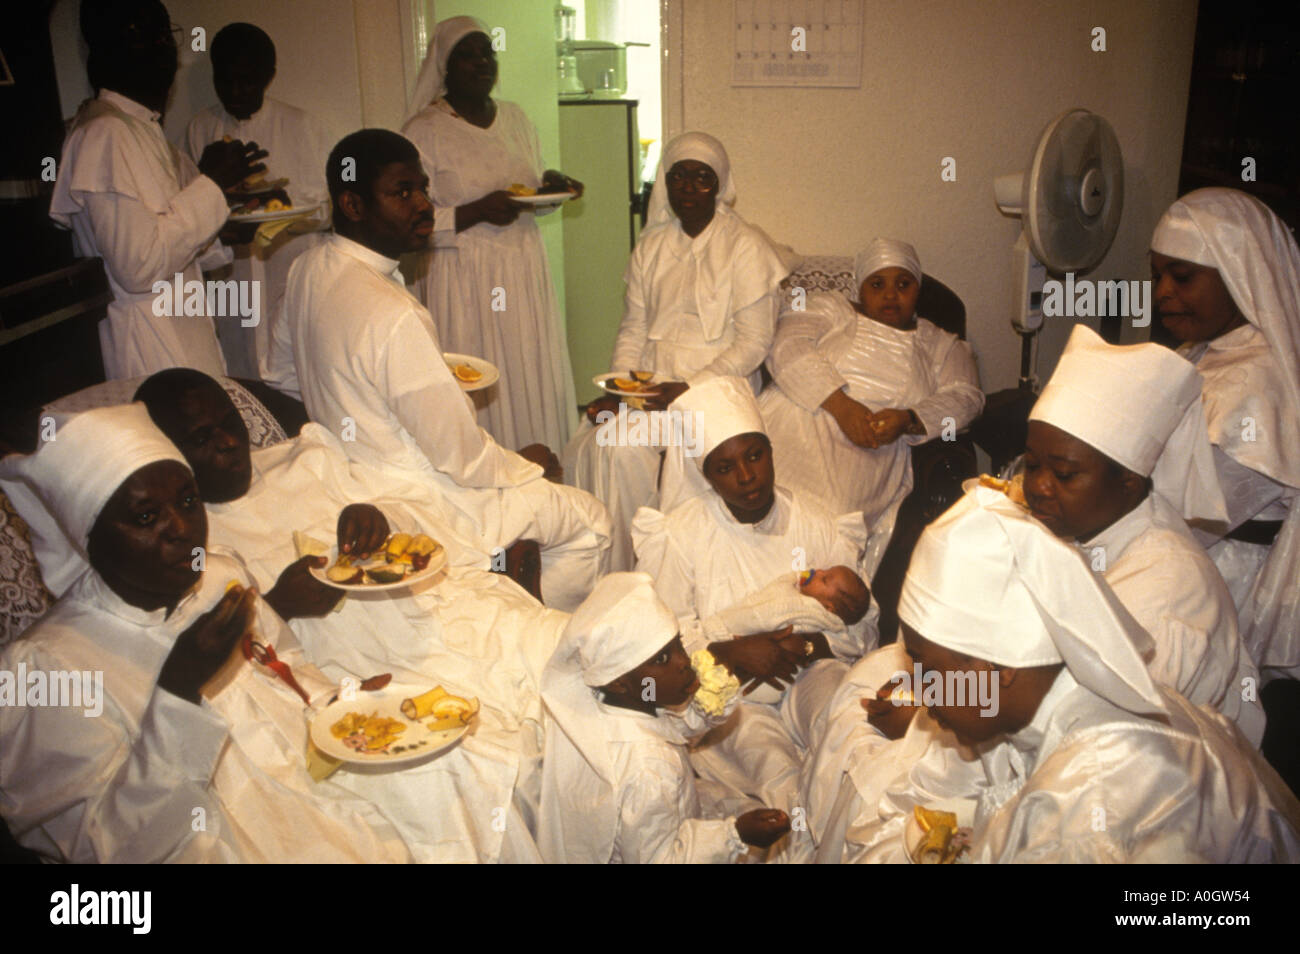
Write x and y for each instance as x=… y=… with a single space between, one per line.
x=827 y=170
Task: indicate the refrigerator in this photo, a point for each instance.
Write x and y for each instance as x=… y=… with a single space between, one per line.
x=600 y=147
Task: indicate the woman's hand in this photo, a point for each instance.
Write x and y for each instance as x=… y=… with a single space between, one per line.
x=889 y=716
x=545 y=458
x=495 y=208
x=668 y=392
x=297 y=593
x=854 y=419
x=760 y=658
x=212 y=641
x=891 y=423
x=230 y=163
x=362 y=528
x=762 y=826
x=553 y=180
x=606 y=402
x=809 y=647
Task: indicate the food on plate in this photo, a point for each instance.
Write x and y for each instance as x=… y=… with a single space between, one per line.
x=944 y=841
x=1013 y=488
x=718 y=685
x=397 y=545
x=345 y=573
x=276 y=205
x=466 y=372
x=371 y=734
x=386 y=574
x=446 y=710
x=414 y=550
x=637 y=382
x=400 y=555
x=518 y=188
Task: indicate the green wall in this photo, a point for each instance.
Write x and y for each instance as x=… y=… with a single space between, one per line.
x=527 y=77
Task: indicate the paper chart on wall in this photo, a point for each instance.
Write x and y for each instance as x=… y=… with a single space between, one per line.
x=798 y=43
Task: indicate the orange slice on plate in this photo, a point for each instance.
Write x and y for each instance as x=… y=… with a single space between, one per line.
x=466 y=373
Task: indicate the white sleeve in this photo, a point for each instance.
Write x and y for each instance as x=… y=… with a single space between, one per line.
x=430 y=405
x=652 y=829
x=802 y=373
x=634 y=330
x=141 y=247
x=755 y=325
x=957 y=399
x=277 y=367
x=672 y=571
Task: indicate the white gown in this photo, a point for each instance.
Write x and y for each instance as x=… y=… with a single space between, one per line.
x=298 y=145
x=131 y=198
x=829 y=346
x=1243 y=395
x=489 y=287
x=662 y=331
x=155 y=778
x=1163 y=577
x=704 y=561
x=371 y=372
x=1086 y=781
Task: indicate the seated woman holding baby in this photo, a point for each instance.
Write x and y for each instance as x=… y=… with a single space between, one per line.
x=858 y=383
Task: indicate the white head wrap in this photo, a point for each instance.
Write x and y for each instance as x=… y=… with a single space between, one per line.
x=714 y=411
x=60 y=489
x=621 y=625
x=431 y=82
x=885 y=253
x=1259 y=262
x=702 y=148
x=988 y=580
x=1140 y=405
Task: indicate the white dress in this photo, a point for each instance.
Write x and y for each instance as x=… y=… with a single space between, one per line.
x=829 y=346
x=663 y=331
x=131 y=198
x=371 y=371
x=1086 y=781
x=704 y=561
x=1164 y=578
x=1243 y=396
x=299 y=145
x=489 y=287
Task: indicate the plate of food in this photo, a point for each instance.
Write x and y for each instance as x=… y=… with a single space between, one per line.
x=403 y=560
x=470 y=372
x=628 y=383
x=526 y=196
x=254 y=186
x=940 y=833
x=396 y=724
x=272 y=211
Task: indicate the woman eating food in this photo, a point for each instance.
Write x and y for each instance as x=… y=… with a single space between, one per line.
x=701 y=303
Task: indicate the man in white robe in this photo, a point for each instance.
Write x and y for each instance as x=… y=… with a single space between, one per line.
x=366 y=356
x=187 y=751
x=132 y=199
x=1109 y=419
x=1078 y=756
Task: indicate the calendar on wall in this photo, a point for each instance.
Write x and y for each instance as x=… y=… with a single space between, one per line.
x=798 y=43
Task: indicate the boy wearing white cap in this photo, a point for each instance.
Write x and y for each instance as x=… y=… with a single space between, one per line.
x=616 y=781
x=1116 y=459
x=1080 y=756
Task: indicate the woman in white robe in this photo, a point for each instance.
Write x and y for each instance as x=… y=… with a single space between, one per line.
x=701 y=302
x=1227 y=274
x=487 y=282
x=857 y=384
x=1075 y=755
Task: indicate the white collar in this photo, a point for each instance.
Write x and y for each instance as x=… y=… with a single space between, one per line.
x=776 y=523
x=1115 y=539
x=129 y=106
x=368 y=256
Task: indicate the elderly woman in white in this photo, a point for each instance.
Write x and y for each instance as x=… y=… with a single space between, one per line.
x=1227 y=274
x=859 y=383
x=701 y=302
x=488 y=281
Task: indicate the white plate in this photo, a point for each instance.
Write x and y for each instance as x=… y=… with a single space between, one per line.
x=436 y=563
x=600 y=379
x=963 y=808
x=489 y=370
x=265 y=216
x=544 y=198
x=263 y=188
x=417 y=742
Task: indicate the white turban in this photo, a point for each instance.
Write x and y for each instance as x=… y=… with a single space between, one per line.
x=621 y=625
x=885 y=253
x=61 y=488
x=714 y=411
x=1140 y=405
x=431 y=82
x=988 y=580
x=702 y=148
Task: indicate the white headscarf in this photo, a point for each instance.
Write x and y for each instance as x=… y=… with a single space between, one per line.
x=621 y=625
x=1259 y=262
x=702 y=148
x=717 y=409
x=885 y=253
x=988 y=580
x=61 y=488
x=1140 y=405
x=431 y=82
